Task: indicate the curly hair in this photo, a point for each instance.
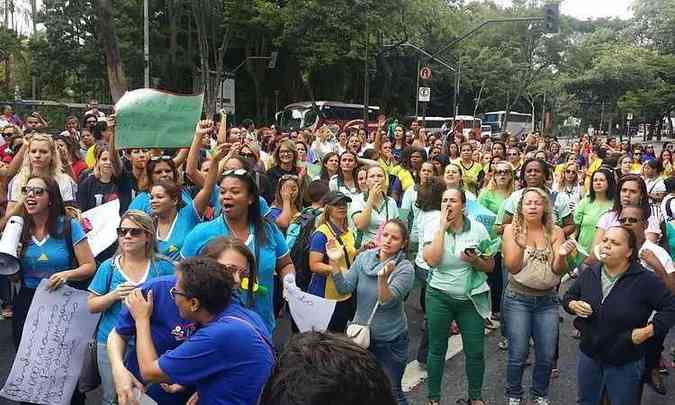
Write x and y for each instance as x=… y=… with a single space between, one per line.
x=208 y=281
x=519 y=223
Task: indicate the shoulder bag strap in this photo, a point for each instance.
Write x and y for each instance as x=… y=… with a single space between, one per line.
x=344 y=248
x=264 y=339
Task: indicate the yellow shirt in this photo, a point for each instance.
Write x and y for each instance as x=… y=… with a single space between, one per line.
x=347 y=237
x=90 y=157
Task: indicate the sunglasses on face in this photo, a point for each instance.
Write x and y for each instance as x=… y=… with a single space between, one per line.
x=630 y=220
x=242 y=271
x=36 y=191
x=569 y=171
x=247 y=155
x=121 y=232
x=174 y=291
x=162 y=158
x=502 y=172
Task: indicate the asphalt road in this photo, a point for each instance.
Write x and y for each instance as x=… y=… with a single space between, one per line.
x=563 y=388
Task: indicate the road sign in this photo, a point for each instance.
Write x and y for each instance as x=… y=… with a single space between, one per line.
x=424 y=94
x=629 y=117
x=425 y=73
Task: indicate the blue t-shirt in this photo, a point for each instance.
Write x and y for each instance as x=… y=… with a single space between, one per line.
x=110 y=275
x=168 y=331
x=266 y=257
x=229 y=359
x=142 y=201
x=186 y=219
x=41 y=259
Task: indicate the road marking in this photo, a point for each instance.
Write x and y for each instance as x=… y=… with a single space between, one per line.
x=414 y=374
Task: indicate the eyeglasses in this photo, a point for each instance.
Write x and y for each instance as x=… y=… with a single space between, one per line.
x=289 y=177
x=630 y=220
x=163 y=158
x=36 y=191
x=285 y=152
x=513 y=154
x=235 y=172
x=121 y=232
x=570 y=171
x=233 y=268
x=174 y=291
x=247 y=155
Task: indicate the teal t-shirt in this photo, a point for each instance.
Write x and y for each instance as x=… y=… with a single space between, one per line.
x=186 y=219
x=110 y=275
x=378 y=216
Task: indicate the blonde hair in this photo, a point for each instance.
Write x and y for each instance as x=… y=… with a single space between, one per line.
x=562 y=182
x=99 y=149
x=492 y=184
x=519 y=224
x=55 y=165
x=146 y=223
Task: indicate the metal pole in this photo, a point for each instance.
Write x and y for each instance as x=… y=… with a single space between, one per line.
x=365 y=73
x=146 y=45
x=417 y=90
x=602 y=116
x=543 y=114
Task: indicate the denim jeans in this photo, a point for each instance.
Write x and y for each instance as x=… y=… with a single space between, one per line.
x=105 y=371
x=530 y=316
x=622 y=383
x=393 y=357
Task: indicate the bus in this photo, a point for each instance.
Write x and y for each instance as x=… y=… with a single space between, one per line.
x=310 y=115
x=519 y=123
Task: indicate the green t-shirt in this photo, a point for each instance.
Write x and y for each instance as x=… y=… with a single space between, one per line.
x=452 y=273
x=378 y=215
x=586 y=216
x=491 y=200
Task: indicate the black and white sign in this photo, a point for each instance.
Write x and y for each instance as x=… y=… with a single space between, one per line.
x=424 y=94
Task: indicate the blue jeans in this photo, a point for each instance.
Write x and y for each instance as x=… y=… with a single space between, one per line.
x=621 y=382
x=530 y=316
x=105 y=371
x=393 y=357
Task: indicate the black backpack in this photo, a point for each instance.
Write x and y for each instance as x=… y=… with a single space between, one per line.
x=300 y=249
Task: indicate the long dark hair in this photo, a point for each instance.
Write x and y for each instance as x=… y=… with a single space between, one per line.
x=406 y=154
x=150 y=167
x=324 y=172
x=56 y=209
x=429 y=194
x=644 y=197
x=217 y=246
x=355 y=171
x=611 y=184
x=254 y=217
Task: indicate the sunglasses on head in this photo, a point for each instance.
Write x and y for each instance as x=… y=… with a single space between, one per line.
x=163 y=158
x=121 y=232
x=235 y=172
x=630 y=220
x=37 y=191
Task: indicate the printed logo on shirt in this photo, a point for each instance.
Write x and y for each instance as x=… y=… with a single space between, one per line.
x=172 y=249
x=43 y=258
x=182 y=332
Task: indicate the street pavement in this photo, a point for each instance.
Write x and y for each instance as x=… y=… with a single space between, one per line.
x=454 y=387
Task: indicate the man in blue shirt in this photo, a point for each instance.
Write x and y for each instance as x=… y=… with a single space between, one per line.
x=229 y=357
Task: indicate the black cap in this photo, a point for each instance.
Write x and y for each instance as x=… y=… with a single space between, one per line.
x=334 y=197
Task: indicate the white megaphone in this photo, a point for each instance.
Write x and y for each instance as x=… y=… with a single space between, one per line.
x=9 y=262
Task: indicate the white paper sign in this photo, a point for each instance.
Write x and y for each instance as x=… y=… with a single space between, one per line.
x=309 y=311
x=104 y=221
x=55 y=336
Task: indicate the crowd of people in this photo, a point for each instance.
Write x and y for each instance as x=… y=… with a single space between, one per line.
x=212 y=238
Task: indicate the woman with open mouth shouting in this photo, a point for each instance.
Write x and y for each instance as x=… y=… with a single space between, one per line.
x=242 y=219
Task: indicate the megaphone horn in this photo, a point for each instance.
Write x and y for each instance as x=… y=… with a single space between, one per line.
x=9 y=243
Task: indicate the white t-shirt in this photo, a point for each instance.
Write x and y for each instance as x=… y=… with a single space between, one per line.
x=655 y=186
x=661 y=254
x=610 y=219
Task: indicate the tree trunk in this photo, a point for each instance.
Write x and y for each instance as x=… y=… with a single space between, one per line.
x=116 y=77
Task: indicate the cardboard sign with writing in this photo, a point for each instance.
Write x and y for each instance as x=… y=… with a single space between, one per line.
x=149 y=118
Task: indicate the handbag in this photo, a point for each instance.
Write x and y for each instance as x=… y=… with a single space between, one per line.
x=536 y=272
x=360 y=333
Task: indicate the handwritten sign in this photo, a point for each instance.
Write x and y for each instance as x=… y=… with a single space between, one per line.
x=149 y=118
x=309 y=311
x=49 y=360
x=104 y=221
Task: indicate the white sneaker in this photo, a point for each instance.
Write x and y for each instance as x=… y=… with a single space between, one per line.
x=513 y=401
x=541 y=401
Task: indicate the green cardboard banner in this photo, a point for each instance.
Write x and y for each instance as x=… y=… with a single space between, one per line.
x=149 y=118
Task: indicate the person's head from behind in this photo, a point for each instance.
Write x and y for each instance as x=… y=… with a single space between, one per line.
x=429 y=194
x=327 y=369
x=203 y=288
x=316 y=191
x=618 y=247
